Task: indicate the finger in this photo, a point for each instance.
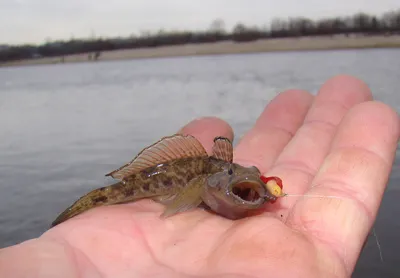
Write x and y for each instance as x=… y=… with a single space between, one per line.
x=302 y=157
x=355 y=172
x=273 y=129
x=206 y=129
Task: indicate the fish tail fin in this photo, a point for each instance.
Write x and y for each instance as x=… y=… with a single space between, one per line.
x=98 y=197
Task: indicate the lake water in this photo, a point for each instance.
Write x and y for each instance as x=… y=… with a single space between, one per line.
x=64 y=126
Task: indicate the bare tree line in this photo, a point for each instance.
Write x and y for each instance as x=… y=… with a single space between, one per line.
x=361 y=23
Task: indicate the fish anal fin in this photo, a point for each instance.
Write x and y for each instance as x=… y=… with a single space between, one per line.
x=166 y=149
x=223 y=149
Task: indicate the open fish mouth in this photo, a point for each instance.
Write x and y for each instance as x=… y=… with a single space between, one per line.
x=247 y=191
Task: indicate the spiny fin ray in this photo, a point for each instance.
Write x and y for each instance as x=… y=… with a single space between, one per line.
x=223 y=149
x=166 y=149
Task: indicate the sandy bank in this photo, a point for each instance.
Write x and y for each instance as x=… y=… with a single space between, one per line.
x=227 y=47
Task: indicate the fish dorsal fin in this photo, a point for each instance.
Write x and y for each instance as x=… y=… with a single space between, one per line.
x=223 y=149
x=166 y=149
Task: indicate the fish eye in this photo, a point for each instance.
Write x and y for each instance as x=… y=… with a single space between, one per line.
x=230 y=171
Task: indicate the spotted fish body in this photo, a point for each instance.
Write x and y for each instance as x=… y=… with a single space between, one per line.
x=177 y=172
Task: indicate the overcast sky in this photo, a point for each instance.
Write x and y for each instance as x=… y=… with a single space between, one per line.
x=32 y=21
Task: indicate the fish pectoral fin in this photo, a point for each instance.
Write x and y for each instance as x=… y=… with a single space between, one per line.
x=164 y=199
x=187 y=199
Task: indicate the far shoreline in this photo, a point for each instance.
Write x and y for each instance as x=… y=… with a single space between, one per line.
x=337 y=42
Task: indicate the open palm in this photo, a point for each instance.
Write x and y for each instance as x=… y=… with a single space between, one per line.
x=338 y=144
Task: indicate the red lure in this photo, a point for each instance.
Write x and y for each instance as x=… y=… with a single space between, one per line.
x=277 y=180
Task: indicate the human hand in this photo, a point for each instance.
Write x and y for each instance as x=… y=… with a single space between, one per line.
x=338 y=143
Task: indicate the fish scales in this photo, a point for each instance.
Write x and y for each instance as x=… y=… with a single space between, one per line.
x=160 y=180
x=167 y=177
x=177 y=172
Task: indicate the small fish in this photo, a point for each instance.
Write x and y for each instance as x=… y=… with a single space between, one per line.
x=177 y=171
